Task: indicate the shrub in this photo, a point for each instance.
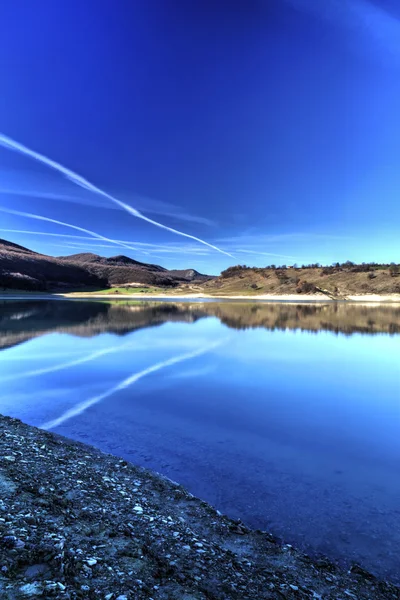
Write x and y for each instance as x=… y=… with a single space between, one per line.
x=328 y=270
x=305 y=287
x=20 y=281
x=281 y=275
x=232 y=271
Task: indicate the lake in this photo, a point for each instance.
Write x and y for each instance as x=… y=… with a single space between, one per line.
x=286 y=416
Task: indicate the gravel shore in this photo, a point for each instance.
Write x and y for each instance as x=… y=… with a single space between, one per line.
x=78 y=523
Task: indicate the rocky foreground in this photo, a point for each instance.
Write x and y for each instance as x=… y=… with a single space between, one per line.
x=77 y=523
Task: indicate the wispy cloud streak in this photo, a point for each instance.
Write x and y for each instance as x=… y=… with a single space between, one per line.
x=281 y=237
x=11 y=144
x=83 y=406
x=110 y=241
x=74 y=242
x=79 y=241
x=148 y=205
x=98 y=236
x=260 y=253
x=37 y=194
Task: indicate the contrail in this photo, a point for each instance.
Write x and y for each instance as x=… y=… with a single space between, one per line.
x=21 y=213
x=66 y=365
x=11 y=144
x=82 y=406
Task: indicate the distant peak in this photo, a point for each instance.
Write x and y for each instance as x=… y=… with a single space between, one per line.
x=121 y=258
x=85 y=256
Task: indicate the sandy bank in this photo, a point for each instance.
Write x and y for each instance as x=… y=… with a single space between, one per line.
x=77 y=523
x=393 y=298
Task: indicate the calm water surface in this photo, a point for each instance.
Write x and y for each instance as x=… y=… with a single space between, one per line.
x=286 y=416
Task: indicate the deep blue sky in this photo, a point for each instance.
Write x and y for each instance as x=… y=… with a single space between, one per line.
x=269 y=128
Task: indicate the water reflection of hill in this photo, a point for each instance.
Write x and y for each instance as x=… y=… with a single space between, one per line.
x=25 y=319
x=343 y=317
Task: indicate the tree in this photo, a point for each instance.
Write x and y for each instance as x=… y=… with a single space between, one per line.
x=393 y=269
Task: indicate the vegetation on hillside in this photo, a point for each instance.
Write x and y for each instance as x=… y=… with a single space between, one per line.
x=336 y=280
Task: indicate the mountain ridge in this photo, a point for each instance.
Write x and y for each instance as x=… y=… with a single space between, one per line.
x=22 y=268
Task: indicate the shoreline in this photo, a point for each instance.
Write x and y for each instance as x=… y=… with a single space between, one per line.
x=78 y=523
x=290 y=298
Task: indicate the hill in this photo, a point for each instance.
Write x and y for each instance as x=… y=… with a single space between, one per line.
x=21 y=268
x=338 y=281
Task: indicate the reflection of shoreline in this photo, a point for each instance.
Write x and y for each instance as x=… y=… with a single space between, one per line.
x=287 y=298
x=296 y=298
x=26 y=319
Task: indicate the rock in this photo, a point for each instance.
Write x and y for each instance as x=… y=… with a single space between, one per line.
x=357 y=570
x=31 y=590
x=10 y=541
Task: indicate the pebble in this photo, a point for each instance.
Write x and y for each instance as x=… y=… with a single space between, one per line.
x=31 y=589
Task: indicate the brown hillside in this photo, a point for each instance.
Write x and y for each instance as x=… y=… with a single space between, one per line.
x=336 y=282
x=21 y=268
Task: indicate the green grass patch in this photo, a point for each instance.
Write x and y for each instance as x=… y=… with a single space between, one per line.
x=129 y=291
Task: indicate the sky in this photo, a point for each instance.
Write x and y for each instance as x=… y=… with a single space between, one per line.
x=265 y=131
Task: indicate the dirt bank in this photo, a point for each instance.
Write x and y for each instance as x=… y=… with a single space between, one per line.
x=77 y=523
